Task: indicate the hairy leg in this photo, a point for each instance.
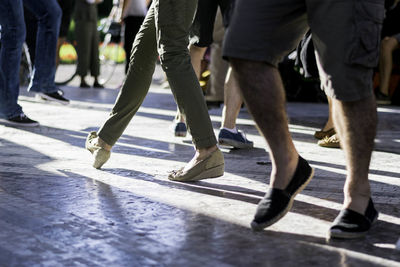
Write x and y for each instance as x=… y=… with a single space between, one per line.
x=357 y=139
x=264 y=95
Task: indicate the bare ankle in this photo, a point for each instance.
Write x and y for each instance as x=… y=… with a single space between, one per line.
x=101 y=143
x=283 y=173
x=356 y=201
x=204 y=152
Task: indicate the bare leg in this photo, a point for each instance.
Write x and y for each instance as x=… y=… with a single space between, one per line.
x=389 y=44
x=232 y=102
x=219 y=69
x=357 y=139
x=265 y=98
x=196 y=55
x=329 y=122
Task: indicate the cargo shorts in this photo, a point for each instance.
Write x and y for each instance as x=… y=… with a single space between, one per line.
x=201 y=32
x=346 y=37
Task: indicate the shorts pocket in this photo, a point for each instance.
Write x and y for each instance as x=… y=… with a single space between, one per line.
x=367 y=23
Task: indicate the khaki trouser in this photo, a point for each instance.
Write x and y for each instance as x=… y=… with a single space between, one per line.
x=164 y=32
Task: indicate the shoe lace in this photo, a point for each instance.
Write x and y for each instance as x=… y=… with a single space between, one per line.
x=243 y=134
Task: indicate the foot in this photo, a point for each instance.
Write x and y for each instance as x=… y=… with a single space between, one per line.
x=227 y=137
x=277 y=202
x=99 y=149
x=324 y=133
x=56 y=96
x=179 y=128
x=97 y=85
x=332 y=142
x=207 y=163
x=20 y=120
x=84 y=85
x=382 y=99
x=351 y=224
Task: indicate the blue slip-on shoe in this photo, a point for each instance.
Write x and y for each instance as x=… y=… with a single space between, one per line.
x=277 y=202
x=350 y=224
x=179 y=128
x=237 y=140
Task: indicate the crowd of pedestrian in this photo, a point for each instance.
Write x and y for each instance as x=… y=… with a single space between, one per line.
x=258 y=34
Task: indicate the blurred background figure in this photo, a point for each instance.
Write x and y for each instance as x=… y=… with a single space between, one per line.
x=42 y=23
x=133 y=14
x=12 y=38
x=87 y=41
x=218 y=66
x=389 y=59
x=67 y=7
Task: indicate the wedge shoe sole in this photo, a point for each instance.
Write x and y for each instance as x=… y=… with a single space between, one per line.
x=213 y=172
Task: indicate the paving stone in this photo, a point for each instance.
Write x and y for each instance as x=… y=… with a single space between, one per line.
x=56 y=210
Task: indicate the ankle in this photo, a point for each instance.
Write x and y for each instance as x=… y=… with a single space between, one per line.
x=384 y=93
x=103 y=144
x=283 y=172
x=232 y=130
x=328 y=126
x=204 y=152
x=356 y=201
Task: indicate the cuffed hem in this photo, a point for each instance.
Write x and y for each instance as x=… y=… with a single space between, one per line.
x=349 y=97
x=270 y=60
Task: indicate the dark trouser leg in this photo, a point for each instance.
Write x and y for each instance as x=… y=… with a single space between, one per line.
x=137 y=83
x=174 y=20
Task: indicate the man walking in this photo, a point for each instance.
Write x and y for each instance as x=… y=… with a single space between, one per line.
x=346 y=37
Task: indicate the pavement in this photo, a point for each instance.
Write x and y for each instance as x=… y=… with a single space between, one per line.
x=57 y=210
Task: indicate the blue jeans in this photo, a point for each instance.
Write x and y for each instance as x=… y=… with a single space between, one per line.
x=48 y=13
x=13 y=34
x=12 y=38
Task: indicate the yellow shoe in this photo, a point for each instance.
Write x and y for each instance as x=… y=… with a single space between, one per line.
x=210 y=167
x=332 y=141
x=100 y=154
